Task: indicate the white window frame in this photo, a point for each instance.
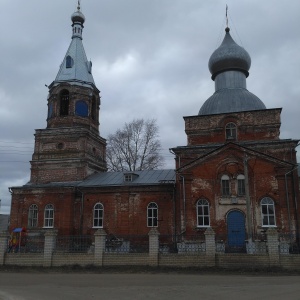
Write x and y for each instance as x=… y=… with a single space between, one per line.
x=267 y=205
x=152 y=215
x=33 y=216
x=202 y=211
x=49 y=216
x=225 y=180
x=98 y=215
x=230 y=131
x=127 y=177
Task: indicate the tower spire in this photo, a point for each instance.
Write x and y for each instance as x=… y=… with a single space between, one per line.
x=78 y=6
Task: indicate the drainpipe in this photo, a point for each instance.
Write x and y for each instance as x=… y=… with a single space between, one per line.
x=182 y=228
x=296 y=207
x=174 y=217
x=81 y=212
x=179 y=162
x=184 y=212
x=287 y=197
x=248 y=204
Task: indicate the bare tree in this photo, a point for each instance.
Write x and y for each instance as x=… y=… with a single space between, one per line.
x=134 y=147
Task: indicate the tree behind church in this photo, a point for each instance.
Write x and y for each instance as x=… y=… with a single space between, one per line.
x=134 y=147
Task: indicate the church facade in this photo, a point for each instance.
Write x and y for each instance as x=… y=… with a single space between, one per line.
x=235 y=175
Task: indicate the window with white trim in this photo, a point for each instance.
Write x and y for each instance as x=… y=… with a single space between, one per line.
x=241 y=185
x=33 y=216
x=152 y=215
x=230 y=131
x=225 y=185
x=268 y=212
x=203 y=219
x=49 y=216
x=98 y=214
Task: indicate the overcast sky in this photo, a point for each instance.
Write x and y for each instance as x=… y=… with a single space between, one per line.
x=149 y=61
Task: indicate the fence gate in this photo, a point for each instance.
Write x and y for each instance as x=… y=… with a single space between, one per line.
x=236 y=232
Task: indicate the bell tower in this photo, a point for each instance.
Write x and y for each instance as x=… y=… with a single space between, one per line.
x=70 y=148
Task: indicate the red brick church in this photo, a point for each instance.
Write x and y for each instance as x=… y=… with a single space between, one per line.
x=235 y=174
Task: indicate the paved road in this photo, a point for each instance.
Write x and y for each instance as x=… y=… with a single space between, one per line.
x=41 y=286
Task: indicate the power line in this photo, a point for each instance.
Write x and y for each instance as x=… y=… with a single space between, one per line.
x=16 y=142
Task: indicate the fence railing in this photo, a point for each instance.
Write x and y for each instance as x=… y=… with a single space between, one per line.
x=289 y=243
x=74 y=244
x=237 y=244
x=127 y=244
x=181 y=244
x=28 y=244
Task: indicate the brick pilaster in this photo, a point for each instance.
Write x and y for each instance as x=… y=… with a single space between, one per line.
x=273 y=247
x=49 y=246
x=153 y=246
x=210 y=247
x=100 y=237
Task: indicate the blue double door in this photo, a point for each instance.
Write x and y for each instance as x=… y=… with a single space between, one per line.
x=236 y=231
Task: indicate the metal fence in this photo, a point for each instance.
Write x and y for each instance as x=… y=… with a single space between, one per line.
x=127 y=243
x=256 y=245
x=289 y=243
x=74 y=244
x=185 y=244
x=28 y=244
x=182 y=244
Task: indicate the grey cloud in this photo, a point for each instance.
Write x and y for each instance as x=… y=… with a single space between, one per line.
x=169 y=43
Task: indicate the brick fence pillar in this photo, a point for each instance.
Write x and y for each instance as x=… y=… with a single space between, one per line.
x=100 y=237
x=153 y=246
x=273 y=247
x=210 y=247
x=3 y=246
x=49 y=246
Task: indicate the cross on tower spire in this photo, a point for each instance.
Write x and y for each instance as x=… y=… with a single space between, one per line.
x=226 y=15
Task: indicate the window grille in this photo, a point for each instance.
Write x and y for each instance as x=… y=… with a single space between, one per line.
x=49 y=216
x=98 y=216
x=268 y=212
x=225 y=185
x=33 y=216
x=230 y=131
x=152 y=215
x=203 y=219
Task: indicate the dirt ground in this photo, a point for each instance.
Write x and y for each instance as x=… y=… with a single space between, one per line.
x=77 y=284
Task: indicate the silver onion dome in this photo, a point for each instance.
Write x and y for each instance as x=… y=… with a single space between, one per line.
x=229 y=56
x=229 y=65
x=78 y=16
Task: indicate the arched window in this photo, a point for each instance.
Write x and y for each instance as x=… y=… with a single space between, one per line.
x=33 y=216
x=69 y=60
x=98 y=215
x=64 y=103
x=81 y=109
x=50 y=110
x=203 y=219
x=241 y=185
x=225 y=185
x=230 y=131
x=268 y=212
x=49 y=216
x=94 y=109
x=152 y=215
